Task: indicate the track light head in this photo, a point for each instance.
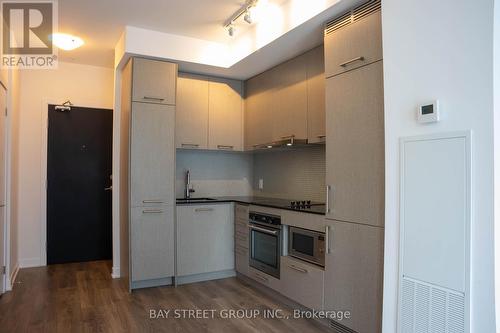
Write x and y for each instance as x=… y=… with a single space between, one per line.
x=230 y=30
x=248 y=17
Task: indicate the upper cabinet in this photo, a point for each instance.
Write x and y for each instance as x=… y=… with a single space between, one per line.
x=316 y=131
x=286 y=102
x=154 y=81
x=191 y=121
x=259 y=110
x=355 y=45
x=290 y=100
x=225 y=114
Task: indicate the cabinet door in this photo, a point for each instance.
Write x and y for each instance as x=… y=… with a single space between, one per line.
x=154 y=81
x=354 y=273
x=205 y=239
x=191 y=123
x=152 y=155
x=316 y=118
x=259 y=110
x=290 y=100
x=225 y=115
x=355 y=45
x=355 y=145
x=152 y=243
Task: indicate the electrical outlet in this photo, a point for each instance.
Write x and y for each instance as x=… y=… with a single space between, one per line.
x=261 y=184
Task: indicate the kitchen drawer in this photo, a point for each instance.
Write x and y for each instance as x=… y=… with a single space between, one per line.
x=264 y=279
x=343 y=47
x=241 y=260
x=241 y=212
x=302 y=282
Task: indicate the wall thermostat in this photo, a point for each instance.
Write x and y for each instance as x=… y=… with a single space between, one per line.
x=428 y=113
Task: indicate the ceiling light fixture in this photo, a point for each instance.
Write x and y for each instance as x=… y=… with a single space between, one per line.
x=66 y=42
x=243 y=11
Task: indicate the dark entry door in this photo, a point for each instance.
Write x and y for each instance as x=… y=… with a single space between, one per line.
x=78 y=185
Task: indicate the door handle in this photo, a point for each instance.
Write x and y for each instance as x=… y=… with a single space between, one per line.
x=327 y=240
x=108 y=188
x=225 y=147
x=152 y=201
x=198 y=210
x=152 y=211
x=151 y=98
x=344 y=64
x=328 y=188
x=271 y=232
x=298 y=269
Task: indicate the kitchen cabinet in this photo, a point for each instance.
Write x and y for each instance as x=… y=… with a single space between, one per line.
x=152 y=243
x=154 y=81
x=316 y=131
x=205 y=239
x=355 y=146
x=191 y=123
x=225 y=114
x=290 y=99
x=302 y=282
x=259 y=110
x=151 y=157
x=147 y=184
x=354 y=274
x=265 y=279
x=354 y=45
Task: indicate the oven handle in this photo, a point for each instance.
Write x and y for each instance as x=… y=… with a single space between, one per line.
x=271 y=232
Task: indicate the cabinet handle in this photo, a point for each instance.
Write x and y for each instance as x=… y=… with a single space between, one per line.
x=152 y=211
x=192 y=145
x=266 y=231
x=321 y=136
x=154 y=98
x=198 y=210
x=298 y=269
x=262 y=278
x=152 y=201
x=344 y=64
x=225 y=147
x=327 y=239
x=288 y=136
x=328 y=187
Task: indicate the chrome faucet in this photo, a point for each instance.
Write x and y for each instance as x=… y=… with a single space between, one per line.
x=188 y=185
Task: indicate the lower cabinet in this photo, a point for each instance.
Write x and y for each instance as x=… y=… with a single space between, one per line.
x=265 y=279
x=354 y=273
x=302 y=282
x=152 y=244
x=205 y=239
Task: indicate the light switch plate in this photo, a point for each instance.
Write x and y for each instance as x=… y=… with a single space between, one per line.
x=261 y=184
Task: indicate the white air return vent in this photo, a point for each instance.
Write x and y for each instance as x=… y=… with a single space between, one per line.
x=353 y=15
x=435 y=204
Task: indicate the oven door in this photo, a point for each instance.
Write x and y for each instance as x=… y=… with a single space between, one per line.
x=265 y=249
x=307 y=245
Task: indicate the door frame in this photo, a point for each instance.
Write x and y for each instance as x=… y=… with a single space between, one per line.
x=6 y=280
x=43 y=167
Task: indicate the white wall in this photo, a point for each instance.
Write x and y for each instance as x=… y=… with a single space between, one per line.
x=85 y=86
x=441 y=49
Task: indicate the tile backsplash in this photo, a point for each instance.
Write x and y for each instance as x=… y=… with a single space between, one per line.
x=296 y=173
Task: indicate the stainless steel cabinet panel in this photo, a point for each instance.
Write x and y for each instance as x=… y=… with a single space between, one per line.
x=355 y=145
x=152 y=243
x=354 y=274
x=154 y=81
x=152 y=155
x=345 y=47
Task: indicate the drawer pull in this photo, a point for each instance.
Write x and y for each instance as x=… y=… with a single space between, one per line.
x=151 y=98
x=344 y=64
x=288 y=136
x=199 y=210
x=225 y=147
x=298 y=269
x=190 y=145
x=152 y=201
x=262 y=278
x=322 y=136
x=152 y=211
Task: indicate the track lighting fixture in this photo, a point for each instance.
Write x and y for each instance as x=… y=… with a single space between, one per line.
x=248 y=17
x=245 y=12
x=230 y=30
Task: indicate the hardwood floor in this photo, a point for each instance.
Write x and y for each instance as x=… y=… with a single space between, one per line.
x=82 y=297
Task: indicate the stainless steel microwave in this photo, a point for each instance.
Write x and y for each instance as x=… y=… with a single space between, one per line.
x=307 y=245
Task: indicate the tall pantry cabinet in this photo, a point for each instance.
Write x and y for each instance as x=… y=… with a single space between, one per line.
x=148 y=140
x=355 y=168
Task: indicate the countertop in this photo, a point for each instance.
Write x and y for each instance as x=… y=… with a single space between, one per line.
x=315 y=208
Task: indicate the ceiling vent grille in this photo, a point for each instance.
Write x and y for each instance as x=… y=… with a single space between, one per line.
x=353 y=15
x=428 y=308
